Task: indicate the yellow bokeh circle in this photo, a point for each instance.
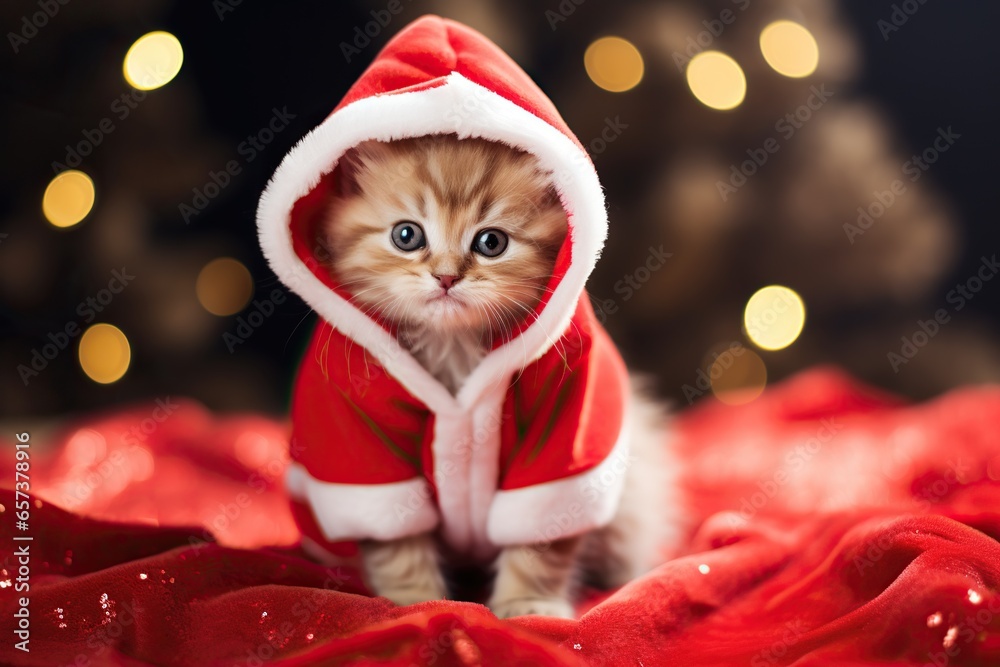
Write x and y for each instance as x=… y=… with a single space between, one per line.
x=738 y=376
x=716 y=80
x=224 y=286
x=789 y=49
x=614 y=64
x=153 y=60
x=68 y=198
x=105 y=354
x=774 y=317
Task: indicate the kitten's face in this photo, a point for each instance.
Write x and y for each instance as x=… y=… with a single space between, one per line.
x=444 y=233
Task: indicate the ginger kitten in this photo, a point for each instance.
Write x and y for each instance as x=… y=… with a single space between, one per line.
x=476 y=265
x=452 y=243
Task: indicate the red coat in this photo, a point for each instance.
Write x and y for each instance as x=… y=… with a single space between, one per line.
x=532 y=448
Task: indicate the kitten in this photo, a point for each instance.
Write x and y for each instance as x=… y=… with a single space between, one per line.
x=493 y=219
x=495 y=224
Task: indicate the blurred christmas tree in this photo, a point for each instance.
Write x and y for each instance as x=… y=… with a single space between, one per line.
x=732 y=139
x=734 y=153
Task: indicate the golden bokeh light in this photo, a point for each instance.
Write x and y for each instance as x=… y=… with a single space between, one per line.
x=738 y=378
x=614 y=64
x=104 y=353
x=774 y=317
x=789 y=49
x=68 y=198
x=716 y=80
x=153 y=60
x=224 y=286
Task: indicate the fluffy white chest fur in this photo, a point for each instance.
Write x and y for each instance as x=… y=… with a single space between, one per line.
x=448 y=356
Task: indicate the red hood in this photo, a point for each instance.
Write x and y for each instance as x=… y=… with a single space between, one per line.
x=435 y=77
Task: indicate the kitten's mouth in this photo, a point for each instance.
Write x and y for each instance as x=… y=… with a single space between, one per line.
x=447 y=306
x=446 y=299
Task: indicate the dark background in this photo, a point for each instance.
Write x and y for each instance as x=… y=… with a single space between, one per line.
x=940 y=69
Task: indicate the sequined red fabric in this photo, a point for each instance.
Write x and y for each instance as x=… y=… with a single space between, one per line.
x=833 y=526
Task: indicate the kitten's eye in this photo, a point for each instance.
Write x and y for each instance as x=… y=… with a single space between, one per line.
x=490 y=243
x=408 y=236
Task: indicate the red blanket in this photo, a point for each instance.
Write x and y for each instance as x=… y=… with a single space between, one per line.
x=836 y=526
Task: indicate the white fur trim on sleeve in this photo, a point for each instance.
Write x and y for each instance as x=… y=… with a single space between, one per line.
x=365 y=511
x=565 y=507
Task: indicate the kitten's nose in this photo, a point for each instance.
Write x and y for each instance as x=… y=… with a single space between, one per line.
x=447 y=281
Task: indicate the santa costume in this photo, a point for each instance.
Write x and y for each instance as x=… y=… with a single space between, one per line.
x=533 y=446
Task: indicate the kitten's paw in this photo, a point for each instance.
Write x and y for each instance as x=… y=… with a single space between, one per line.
x=556 y=607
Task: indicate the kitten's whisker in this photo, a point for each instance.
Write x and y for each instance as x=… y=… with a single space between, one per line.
x=534 y=316
x=356 y=297
x=324 y=351
x=534 y=285
x=488 y=331
x=362 y=279
x=524 y=346
x=505 y=330
x=386 y=311
x=295 y=328
x=367 y=312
